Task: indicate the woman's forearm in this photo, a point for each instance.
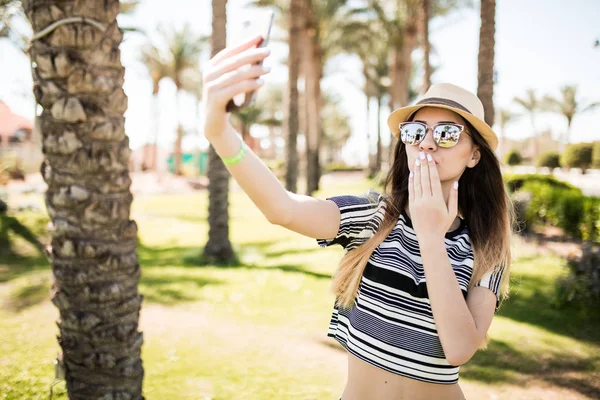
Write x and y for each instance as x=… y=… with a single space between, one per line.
x=455 y=324
x=253 y=176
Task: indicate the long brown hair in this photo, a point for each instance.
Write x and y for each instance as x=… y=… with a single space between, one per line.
x=481 y=194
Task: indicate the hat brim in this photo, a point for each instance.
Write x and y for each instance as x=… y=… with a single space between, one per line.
x=402 y=114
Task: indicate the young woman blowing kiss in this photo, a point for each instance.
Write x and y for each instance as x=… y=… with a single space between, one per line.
x=425 y=264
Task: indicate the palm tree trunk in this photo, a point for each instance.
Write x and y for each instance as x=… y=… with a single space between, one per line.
x=312 y=67
x=426 y=7
x=485 y=60
x=296 y=25
x=155 y=127
x=177 y=153
x=367 y=91
x=218 y=248
x=93 y=247
x=378 y=156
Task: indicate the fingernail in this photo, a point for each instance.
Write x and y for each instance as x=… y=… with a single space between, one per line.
x=422 y=155
x=417 y=162
x=429 y=158
x=259 y=82
x=411 y=174
x=266 y=69
x=455 y=184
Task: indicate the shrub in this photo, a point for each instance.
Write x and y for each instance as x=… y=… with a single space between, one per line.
x=578 y=155
x=590 y=227
x=596 y=155
x=514 y=182
x=341 y=166
x=513 y=157
x=581 y=287
x=549 y=159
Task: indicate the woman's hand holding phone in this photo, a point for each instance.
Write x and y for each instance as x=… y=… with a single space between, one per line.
x=230 y=72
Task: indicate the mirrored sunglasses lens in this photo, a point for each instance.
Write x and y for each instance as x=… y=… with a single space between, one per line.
x=412 y=133
x=447 y=135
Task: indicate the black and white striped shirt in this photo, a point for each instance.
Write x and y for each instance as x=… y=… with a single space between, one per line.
x=391 y=325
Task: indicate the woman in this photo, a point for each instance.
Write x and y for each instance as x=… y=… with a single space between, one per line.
x=421 y=276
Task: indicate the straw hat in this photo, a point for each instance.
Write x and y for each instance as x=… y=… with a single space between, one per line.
x=453 y=98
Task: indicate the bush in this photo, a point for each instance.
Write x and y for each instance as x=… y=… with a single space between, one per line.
x=515 y=182
x=581 y=287
x=555 y=206
x=513 y=158
x=341 y=166
x=596 y=155
x=578 y=155
x=590 y=228
x=549 y=159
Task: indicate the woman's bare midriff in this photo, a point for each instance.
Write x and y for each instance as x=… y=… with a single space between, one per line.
x=367 y=382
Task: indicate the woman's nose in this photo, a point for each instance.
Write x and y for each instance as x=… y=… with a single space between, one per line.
x=428 y=143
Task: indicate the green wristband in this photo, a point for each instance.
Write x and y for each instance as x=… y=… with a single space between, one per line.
x=238 y=157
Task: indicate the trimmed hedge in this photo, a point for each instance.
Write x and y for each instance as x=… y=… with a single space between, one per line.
x=542 y=199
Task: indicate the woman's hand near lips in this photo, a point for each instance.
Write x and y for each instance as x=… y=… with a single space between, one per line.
x=431 y=216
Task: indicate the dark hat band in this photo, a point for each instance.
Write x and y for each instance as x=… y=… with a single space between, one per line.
x=444 y=102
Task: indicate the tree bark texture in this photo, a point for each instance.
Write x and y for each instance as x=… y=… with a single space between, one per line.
x=312 y=72
x=485 y=60
x=78 y=80
x=425 y=16
x=218 y=248
x=296 y=25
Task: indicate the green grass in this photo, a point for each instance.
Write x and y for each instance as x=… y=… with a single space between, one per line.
x=257 y=329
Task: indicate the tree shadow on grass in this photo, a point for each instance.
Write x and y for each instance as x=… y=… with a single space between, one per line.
x=14 y=266
x=502 y=363
x=170 y=288
x=533 y=303
x=28 y=293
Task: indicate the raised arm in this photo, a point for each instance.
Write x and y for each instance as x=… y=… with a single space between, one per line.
x=227 y=74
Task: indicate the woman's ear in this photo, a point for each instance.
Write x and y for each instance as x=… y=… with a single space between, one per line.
x=475 y=157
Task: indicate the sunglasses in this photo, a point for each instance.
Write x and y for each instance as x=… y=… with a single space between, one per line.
x=444 y=134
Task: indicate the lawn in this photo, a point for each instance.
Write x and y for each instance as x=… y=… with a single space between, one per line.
x=257 y=329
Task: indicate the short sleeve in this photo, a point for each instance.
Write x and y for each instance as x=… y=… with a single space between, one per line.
x=492 y=280
x=360 y=217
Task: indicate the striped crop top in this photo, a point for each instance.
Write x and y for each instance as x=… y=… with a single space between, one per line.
x=391 y=324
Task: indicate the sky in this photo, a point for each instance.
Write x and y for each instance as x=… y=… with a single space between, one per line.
x=540 y=44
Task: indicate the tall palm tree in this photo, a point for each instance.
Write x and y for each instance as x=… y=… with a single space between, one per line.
x=399 y=20
x=425 y=17
x=568 y=106
x=531 y=104
x=485 y=59
x=78 y=79
x=184 y=50
x=158 y=67
x=296 y=26
x=218 y=248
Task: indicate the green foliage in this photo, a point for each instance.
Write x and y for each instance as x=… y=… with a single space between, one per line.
x=581 y=287
x=590 y=227
x=514 y=182
x=549 y=159
x=513 y=157
x=577 y=155
x=341 y=166
x=542 y=199
x=596 y=155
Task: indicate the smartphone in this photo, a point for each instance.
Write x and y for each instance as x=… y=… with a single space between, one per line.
x=251 y=27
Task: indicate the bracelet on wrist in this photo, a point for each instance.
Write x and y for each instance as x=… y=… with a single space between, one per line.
x=236 y=158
